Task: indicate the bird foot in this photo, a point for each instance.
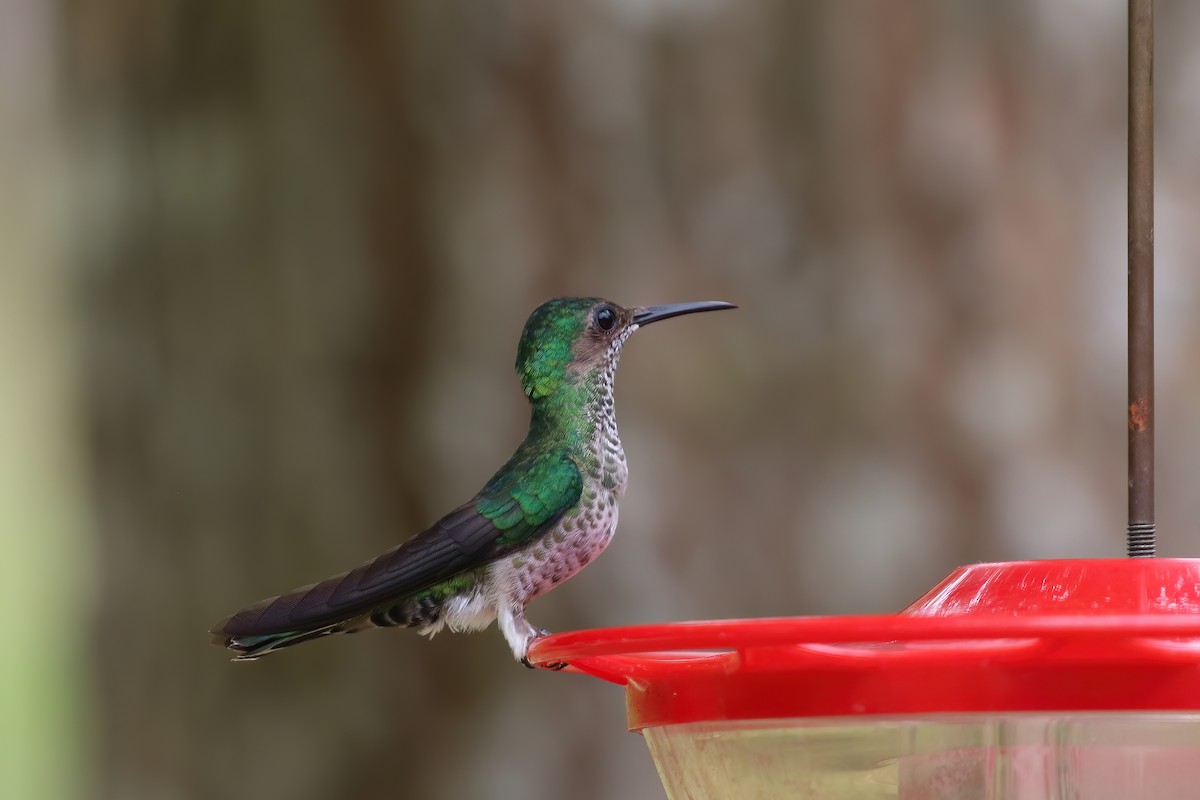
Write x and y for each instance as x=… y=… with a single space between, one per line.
x=553 y=666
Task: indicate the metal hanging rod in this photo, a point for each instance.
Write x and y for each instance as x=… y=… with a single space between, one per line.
x=1141 y=532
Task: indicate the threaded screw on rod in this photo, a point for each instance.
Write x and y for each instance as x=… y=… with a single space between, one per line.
x=1141 y=540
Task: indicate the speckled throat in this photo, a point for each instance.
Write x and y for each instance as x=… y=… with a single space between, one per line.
x=611 y=468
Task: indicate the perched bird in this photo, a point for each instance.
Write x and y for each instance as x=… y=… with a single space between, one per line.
x=541 y=518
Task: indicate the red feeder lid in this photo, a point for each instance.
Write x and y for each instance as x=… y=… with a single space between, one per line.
x=1083 y=635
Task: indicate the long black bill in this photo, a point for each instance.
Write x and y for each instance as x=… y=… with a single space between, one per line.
x=644 y=316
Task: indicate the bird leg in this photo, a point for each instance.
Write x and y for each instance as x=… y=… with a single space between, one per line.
x=520 y=634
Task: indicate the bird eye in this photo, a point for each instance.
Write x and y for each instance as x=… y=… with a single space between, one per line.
x=606 y=318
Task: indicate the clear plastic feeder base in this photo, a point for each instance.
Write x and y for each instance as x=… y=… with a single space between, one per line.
x=967 y=757
x=1053 y=680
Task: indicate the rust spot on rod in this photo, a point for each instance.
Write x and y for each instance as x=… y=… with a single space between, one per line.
x=1139 y=415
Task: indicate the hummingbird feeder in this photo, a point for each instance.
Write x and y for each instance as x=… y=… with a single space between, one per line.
x=1016 y=681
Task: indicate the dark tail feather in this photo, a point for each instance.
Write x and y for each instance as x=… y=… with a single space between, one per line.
x=376 y=594
x=393 y=589
x=242 y=633
x=246 y=635
x=249 y=648
x=252 y=633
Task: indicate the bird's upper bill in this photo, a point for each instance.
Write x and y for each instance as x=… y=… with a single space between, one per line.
x=648 y=314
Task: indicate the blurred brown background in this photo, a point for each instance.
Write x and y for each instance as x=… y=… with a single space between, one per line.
x=264 y=267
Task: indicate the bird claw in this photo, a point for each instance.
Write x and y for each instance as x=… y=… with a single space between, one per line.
x=553 y=666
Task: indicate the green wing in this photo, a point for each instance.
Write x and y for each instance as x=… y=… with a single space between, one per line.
x=523 y=503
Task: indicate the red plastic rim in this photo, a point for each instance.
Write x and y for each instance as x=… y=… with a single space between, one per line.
x=1094 y=635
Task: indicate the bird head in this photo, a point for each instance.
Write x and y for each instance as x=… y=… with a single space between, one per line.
x=568 y=337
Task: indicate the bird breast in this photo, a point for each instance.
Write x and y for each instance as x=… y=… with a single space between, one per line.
x=583 y=531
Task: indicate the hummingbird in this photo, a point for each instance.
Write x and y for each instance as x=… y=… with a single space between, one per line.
x=539 y=520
